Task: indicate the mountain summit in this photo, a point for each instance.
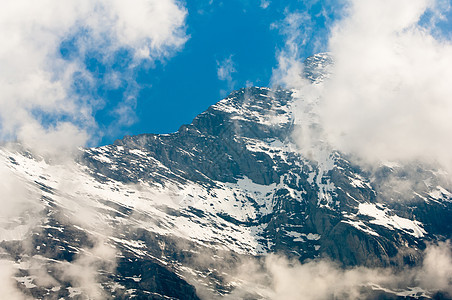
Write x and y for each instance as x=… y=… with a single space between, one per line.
x=171 y=216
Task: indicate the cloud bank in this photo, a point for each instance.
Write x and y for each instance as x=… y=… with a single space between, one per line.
x=48 y=104
x=43 y=93
x=277 y=277
x=389 y=96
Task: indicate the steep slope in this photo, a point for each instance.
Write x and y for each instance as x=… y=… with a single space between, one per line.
x=152 y=215
x=238 y=163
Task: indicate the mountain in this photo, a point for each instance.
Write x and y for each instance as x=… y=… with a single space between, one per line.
x=172 y=216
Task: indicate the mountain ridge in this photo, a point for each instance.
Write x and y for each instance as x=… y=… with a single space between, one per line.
x=156 y=215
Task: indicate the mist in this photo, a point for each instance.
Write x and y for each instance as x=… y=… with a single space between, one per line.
x=388 y=96
x=276 y=277
x=47 y=111
x=40 y=103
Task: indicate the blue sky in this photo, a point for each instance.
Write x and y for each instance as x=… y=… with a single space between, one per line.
x=246 y=33
x=87 y=72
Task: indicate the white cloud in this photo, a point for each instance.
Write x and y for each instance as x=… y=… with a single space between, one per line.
x=36 y=82
x=265 y=4
x=83 y=271
x=389 y=95
x=225 y=69
x=322 y=279
x=297 y=28
x=436 y=271
x=39 y=107
x=276 y=277
x=13 y=196
x=7 y=282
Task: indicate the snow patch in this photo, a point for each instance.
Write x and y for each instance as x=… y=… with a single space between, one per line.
x=383 y=217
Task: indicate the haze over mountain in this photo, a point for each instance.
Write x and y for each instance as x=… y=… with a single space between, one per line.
x=331 y=182
x=228 y=206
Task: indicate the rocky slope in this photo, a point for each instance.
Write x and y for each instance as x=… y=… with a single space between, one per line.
x=154 y=216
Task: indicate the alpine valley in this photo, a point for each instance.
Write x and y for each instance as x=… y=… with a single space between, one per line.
x=205 y=212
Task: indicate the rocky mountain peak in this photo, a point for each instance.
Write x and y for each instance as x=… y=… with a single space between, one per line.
x=181 y=209
x=318 y=67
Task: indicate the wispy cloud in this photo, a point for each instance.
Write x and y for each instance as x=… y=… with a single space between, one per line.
x=388 y=97
x=298 y=29
x=48 y=103
x=277 y=277
x=265 y=4
x=37 y=83
x=225 y=70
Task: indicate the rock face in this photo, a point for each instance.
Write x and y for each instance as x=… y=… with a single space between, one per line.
x=152 y=216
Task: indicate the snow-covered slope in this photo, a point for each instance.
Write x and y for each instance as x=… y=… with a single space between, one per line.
x=140 y=214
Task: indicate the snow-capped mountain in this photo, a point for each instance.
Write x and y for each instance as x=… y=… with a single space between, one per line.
x=154 y=216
